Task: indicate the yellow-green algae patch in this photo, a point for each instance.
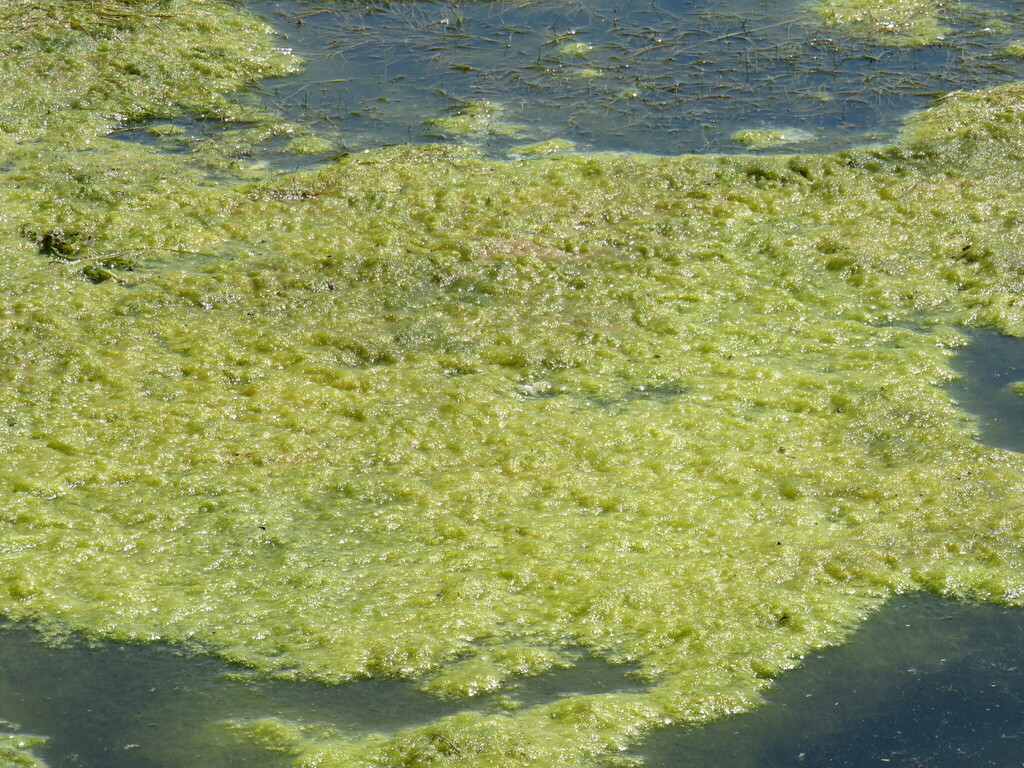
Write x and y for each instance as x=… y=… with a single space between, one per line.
x=896 y=22
x=756 y=138
x=548 y=147
x=85 y=66
x=16 y=750
x=474 y=118
x=577 y=48
x=422 y=414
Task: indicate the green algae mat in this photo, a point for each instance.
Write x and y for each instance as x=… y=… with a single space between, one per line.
x=416 y=413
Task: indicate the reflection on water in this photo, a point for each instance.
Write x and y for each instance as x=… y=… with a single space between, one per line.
x=990 y=365
x=663 y=76
x=925 y=683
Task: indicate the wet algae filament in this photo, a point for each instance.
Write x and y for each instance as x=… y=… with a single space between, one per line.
x=425 y=415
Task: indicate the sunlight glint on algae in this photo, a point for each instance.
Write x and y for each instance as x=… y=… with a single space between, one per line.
x=414 y=413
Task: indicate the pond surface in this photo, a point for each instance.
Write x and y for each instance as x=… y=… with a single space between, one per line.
x=926 y=682
x=663 y=77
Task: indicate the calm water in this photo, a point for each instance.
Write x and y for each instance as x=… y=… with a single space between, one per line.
x=147 y=706
x=925 y=684
x=108 y=706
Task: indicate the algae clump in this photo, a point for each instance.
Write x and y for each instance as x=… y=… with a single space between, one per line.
x=548 y=147
x=16 y=750
x=769 y=137
x=474 y=118
x=896 y=22
x=417 y=413
x=1015 y=49
x=578 y=49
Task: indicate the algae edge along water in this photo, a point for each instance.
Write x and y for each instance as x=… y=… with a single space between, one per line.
x=112 y=705
x=927 y=682
x=901 y=690
x=453 y=407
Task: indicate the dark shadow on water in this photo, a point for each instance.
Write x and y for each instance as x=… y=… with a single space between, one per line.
x=925 y=683
x=989 y=366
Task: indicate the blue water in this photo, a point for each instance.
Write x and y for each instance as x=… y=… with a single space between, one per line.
x=104 y=705
x=661 y=76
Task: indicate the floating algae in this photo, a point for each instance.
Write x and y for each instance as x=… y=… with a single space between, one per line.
x=420 y=414
x=16 y=750
x=479 y=117
x=900 y=22
x=759 y=138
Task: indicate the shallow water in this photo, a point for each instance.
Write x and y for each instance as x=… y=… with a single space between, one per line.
x=664 y=77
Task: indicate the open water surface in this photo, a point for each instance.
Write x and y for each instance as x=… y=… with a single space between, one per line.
x=661 y=76
x=925 y=684
x=105 y=705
